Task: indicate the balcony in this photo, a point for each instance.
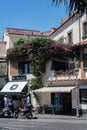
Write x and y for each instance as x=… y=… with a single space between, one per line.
x=64 y=75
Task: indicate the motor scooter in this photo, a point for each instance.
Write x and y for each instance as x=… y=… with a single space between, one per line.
x=6 y=113
x=24 y=112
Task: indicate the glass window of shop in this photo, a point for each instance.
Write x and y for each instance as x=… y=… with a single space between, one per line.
x=83 y=96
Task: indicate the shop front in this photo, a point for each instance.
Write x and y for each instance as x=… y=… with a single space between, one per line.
x=58 y=100
x=16 y=90
x=17 y=87
x=13 y=91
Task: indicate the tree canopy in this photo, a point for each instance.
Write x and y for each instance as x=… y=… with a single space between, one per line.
x=73 y=5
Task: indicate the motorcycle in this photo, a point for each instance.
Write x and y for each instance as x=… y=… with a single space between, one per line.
x=24 y=112
x=6 y=113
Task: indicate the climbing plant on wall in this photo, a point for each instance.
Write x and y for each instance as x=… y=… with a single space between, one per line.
x=39 y=51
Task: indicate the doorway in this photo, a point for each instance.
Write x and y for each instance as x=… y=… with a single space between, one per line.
x=62 y=103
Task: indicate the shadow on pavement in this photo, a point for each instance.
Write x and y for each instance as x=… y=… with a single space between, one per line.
x=4 y=129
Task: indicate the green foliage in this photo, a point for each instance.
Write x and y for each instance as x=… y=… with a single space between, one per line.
x=40 y=54
x=59 y=42
x=36 y=83
x=20 y=41
x=73 y=5
x=19 y=51
x=39 y=51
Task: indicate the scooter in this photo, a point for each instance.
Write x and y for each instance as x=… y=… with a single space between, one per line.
x=6 y=113
x=27 y=112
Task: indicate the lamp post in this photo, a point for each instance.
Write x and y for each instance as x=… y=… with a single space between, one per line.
x=77 y=92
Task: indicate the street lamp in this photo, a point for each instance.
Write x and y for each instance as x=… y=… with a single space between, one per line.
x=77 y=92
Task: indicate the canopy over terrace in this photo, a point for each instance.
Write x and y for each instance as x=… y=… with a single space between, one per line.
x=54 y=89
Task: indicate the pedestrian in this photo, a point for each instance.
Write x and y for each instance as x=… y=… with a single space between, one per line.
x=9 y=100
x=15 y=104
x=5 y=101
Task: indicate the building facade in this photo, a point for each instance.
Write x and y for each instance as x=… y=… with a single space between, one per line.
x=3 y=65
x=66 y=78
x=73 y=31
x=20 y=70
x=64 y=89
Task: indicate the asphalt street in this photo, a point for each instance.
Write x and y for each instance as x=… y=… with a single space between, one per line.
x=44 y=122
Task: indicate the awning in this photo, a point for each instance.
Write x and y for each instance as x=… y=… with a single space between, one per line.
x=12 y=87
x=54 y=89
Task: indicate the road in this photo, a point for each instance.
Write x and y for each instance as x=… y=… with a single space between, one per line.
x=43 y=124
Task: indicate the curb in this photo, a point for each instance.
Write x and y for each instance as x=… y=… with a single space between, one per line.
x=48 y=116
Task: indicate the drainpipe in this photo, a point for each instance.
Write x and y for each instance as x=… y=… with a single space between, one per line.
x=81 y=52
x=7 y=71
x=81 y=64
x=6 y=78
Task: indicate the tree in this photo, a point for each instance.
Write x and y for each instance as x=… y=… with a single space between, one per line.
x=73 y=5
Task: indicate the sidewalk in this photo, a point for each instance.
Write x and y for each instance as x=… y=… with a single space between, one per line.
x=53 y=116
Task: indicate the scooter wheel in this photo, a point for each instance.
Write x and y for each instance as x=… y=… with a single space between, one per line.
x=16 y=115
x=29 y=115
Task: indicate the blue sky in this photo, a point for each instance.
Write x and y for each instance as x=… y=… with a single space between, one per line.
x=30 y=14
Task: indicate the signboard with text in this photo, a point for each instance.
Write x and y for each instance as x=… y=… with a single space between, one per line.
x=19 y=77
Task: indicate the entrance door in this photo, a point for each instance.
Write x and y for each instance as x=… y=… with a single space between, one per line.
x=61 y=103
x=66 y=103
x=55 y=100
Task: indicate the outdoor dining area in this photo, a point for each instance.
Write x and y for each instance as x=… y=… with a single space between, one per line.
x=50 y=109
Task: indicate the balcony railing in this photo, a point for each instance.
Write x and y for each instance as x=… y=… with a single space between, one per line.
x=63 y=73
